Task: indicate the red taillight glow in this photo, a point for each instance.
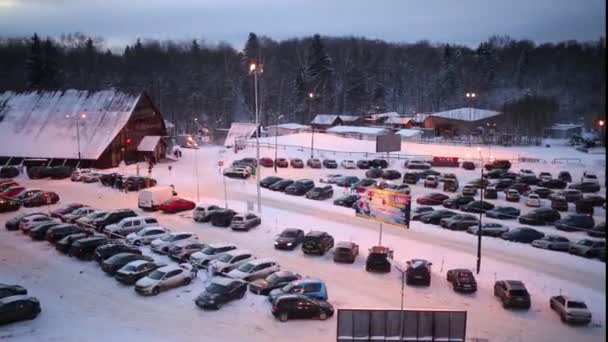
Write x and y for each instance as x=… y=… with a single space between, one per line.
x=275 y=308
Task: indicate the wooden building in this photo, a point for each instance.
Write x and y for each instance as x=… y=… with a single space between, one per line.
x=93 y=129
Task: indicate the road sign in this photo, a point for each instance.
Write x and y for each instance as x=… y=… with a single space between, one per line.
x=220 y=163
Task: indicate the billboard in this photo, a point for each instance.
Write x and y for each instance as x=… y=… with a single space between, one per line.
x=385 y=206
x=388 y=143
x=356 y=325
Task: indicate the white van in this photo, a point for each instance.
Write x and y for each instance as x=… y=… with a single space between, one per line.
x=151 y=199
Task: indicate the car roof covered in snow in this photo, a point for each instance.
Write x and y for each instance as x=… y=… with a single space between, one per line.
x=44 y=123
x=224 y=281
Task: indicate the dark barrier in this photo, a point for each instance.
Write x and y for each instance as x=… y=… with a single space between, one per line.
x=356 y=325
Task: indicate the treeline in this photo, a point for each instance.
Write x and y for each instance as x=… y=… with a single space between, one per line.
x=305 y=76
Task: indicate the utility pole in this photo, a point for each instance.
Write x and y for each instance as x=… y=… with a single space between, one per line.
x=276 y=141
x=255 y=69
x=311 y=96
x=479 y=230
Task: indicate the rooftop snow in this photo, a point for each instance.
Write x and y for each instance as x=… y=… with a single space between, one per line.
x=239 y=130
x=290 y=126
x=148 y=143
x=324 y=119
x=43 y=124
x=349 y=118
x=357 y=129
x=384 y=115
x=398 y=121
x=466 y=114
x=408 y=133
x=563 y=127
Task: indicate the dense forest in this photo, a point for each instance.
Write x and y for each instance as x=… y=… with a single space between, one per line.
x=302 y=77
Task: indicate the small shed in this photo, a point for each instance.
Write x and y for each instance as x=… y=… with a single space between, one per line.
x=325 y=121
x=152 y=147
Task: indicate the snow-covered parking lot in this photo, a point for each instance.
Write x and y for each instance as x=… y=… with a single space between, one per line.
x=81 y=303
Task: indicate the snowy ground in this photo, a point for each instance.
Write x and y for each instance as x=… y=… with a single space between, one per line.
x=79 y=294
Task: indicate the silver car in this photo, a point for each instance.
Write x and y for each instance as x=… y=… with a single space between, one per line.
x=552 y=242
x=213 y=251
x=165 y=278
x=164 y=243
x=570 y=310
x=146 y=235
x=489 y=229
x=230 y=260
x=255 y=269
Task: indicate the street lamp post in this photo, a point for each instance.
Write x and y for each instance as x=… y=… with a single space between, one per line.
x=255 y=70
x=470 y=98
x=276 y=141
x=602 y=125
x=480 y=213
x=402 y=271
x=78 y=118
x=311 y=96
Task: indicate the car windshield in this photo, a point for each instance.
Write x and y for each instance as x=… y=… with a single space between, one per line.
x=130 y=268
x=209 y=250
x=273 y=278
x=167 y=237
x=246 y=268
x=225 y=258
x=216 y=288
x=237 y=219
x=288 y=287
x=289 y=233
x=518 y=293
x=156 y=275
x=586 y=242
x=577 y=305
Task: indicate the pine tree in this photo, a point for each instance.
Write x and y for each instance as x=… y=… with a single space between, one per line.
x=521 y=68
x=34 y=64
x=319 y=65
x=357 y=96
x=50 y=66
x=90 y=65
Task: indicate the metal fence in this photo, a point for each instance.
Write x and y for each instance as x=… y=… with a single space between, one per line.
x=375 y=325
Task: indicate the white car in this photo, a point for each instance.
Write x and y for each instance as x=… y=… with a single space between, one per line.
x=165 y=278
x=526 y=173
x=76 y=214
x=348 y=164
x=162 y=244
x=230 y=260
x=545 y=176
x=84 y=221
x=488 y=229
x=31 y=221
x=201 y=259
x=77 y=175
x=130 y=225
x=533 y=200
x=245 y=221
x=331 y=178
x=552 y=242
x=146 y=235
x=255 y=269
x=417 y=165
x=202 y=213
x=570 y=310
x=431 y=182
x=589 y=177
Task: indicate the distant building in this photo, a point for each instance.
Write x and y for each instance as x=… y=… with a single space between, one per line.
x=286 y=128
x=399 y=122
x=410 y=134
x=380 y=118
x=325 y=121
x=461 y=121
x=73 y=127
x=357 y=132
x=563 y=131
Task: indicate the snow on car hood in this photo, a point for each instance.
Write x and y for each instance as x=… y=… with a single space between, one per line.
x=236 y=274
x=146 y=282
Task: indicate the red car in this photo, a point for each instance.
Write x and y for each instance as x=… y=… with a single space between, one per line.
x=282 y=162
x=12 y=191
x=58 y=213
x=435 y=198
x=176 y=205
x=266 y=162
x=5 y=183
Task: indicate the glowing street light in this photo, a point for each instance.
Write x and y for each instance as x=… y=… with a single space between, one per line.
x=601 y=123
x=255 y=70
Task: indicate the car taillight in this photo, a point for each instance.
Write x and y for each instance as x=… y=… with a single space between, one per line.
x=275 y=308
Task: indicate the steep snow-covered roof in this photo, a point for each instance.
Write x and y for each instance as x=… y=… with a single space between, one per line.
x=466 y=114
x=358 y=129
x=324 y=119
x=408 y=133
x=44 y=124
x=349 y=118
x=397 y=121
x=148 y=143
x=239 y=130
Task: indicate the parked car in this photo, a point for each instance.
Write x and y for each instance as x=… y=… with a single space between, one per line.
x=282 y=162
x=533 y=200
x=434 y=217
x=165 y=242
x=346 y=251
x=363 y=184
x=58 y=232
x=347 y=181
x=146 y=235
x=347 y=201
x=469 y=190
x=182 y=250
x=584 y=206
x=176 y=204
x=300 y=187
x=598 y=231
x=378 y=259
x=29 y=222
x=459 y=222
x=317 y=242
x=462 y=280
x=63 y=245
x=512 y=195
x=13 y=223
x=363 y=164
x=130 y=273
x=417 y=165
x=221 y=291
x=348 y=164
x=553 y=184
x=274 y=281
x=571 y=195
x=108 y=250
x=418 y=271
x=519 y=187
x=12 y=191
x=18 y=308
x=236 y=172
x=11 y=290
x=570 y=310
x=390 y=174
x=266 y=162
x=488 y=229
x=296 y=163
x=245 y=221
x=268 y=181
x=254 y=269
x=112 y=264
x=7 y=204
x=503 y=213
x=65 y=210
x=108 y=179
x=565 y=176
x=373 y=173
x=477 y=207
x=203 y=214
x=289 y=239
x=559 y=203
x=40 y=199
x=594 y=200
x=540 y=216
x=281 y=185
x=91 y=177
x=111 y=217
x=330 y=164
x=512 y=294
x=586 y=186
x=468 y=165
x=541 y=192
x=136 y=183
x=163 y=278
x=320 y=192
x=552 y=242
x=311 y=288
x=457 y=201
x=76 y=214
x=213 y=251
x=229 y=260
x=418 y=212
x=222 y=217
x=299 y=306
x=130 y=225
x=490 y=192
x=503 y=183
x=587 y=248
x=85 y=221
x=431 y=182
x=498 y=164
x=575 y=222
x=410 y=178
x=38 y=232
x=435 y=198
x=84 y=249
x=314 y=163
x=522 y=234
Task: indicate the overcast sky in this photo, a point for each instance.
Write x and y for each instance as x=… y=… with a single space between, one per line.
x=467 y=22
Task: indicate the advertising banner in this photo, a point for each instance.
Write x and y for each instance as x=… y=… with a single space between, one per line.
x=385 y=206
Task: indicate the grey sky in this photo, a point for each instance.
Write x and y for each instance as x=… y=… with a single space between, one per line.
x=454 y=21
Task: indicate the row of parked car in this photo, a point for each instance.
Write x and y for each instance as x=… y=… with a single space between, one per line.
x=16 y=305
x=13 y=196
x=113 y=180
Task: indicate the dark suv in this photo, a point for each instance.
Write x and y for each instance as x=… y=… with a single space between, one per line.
x=222 y=217
x=317 y=242
x=57 y=233
x=105 y=251
x=498 y=164
x=84 y=249
x=512 y=294
x=300 y=187
x=330 y=164
x=378 y=259
x=418 y=271
x=112 y=217
x=320 y=192
x=575 y=222
x=540 y=217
